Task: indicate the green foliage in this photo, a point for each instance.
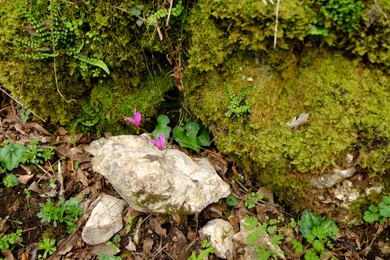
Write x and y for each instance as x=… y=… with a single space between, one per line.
x=202 y=254
x=317 y=232
x=252 y=199
x=10 y=180
x=64 y=211
x=231 y=201
x=162 y=127
x=162 y=13
x=24 y=114
x=237 y=103
x=66 y=34
x=129 y=224
x=88 y=120
x=257 y=237
x=48 y=245
x=342 y=16
x=8 y=241
x=191 y=135
x=34 y=154
x=378 y=213
x=109 y=257
x=11 y=155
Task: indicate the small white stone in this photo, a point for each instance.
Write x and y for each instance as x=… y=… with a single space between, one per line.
x=105 y=220
x=221 y=237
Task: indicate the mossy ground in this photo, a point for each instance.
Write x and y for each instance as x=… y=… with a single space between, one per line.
x=348 y=105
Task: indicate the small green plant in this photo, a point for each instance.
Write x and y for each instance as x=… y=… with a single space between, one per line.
x=129 y=224
x=11 y=155
x=258 y=237
x=318 y=232
x=109 y=257
x=64 y=211
x=8 y=241
x=48 y=245
x=252 y=199
x=24 y=114
x=10 y=180
x=378 y=213
x=191 y=135
x=237 y=103
x=202 y=254
x=231 y=201
x=34 y=154
x=89 y=120
x=115 y=240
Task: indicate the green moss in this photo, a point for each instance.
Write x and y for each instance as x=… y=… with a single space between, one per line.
x=95 y=30
x=348 y=102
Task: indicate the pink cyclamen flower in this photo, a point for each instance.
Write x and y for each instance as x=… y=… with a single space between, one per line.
x=136 y=120
x=159 y=142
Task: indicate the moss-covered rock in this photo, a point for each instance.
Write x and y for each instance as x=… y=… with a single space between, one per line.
x=105 y=53
x=348 y=105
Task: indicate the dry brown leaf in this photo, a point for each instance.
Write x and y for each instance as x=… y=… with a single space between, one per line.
x=8 y=255
x=148 y=244
x=35 y=188
x=157 y=227
x=37 y=127
x=62 y=131
x=178 y=219
x=24 y=179
x=191 y=235
x=80 y=176
x=234 y=221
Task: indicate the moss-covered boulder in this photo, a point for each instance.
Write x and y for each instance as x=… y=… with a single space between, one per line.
x=57 y=55
x=348 y=107
x=309 y=119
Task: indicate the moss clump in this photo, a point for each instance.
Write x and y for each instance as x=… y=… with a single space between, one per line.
x=102 y=56
x=220 y=28
x=348 y=105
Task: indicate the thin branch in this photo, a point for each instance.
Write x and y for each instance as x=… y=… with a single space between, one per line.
x=54 y=51
x=276 y=22
x=22 y=105
x=169 y=13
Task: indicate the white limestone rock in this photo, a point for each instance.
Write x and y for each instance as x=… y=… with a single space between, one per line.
x=157 y=181
x=221 y=234
x=105 y=220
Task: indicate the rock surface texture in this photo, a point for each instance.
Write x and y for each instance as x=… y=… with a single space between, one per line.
x=105 y=220
x=150 y=180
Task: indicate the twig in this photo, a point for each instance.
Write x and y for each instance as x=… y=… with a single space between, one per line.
x=276 y=22
x=54 y=58
x=380 y=9
x=22 y=104
x=169 y=13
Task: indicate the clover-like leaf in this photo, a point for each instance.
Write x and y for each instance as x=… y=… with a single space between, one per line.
x=186 y=136
x=161 y=127
x=11 y=155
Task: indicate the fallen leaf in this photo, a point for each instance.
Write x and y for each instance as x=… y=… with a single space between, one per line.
x=148 y=244
x=24 y=179
x=157 y=227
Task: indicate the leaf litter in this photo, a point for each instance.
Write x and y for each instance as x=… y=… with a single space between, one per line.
x=153 y=236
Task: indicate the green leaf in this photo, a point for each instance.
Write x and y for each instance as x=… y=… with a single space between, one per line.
x=330 y=228
x=373 y=209
x=204 y=137
x=10 y=180
x=135 y=11
x=384 y=210
x=308 y=221
x=186 y=137
x=318 y=245
x=231 y=201
x=11 y=155
x=371 y=217
x=162 y=127
x=386 y=200
x=298 y=246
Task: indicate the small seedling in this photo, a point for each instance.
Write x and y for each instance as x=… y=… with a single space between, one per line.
x=231 y=201
x=378 y=213
x=318 y=232
x=109 y=257
x=64 y=212
x=8 y=241
x=34 y=154
x=10 y=180
x=129 y=224
x=237 y=103
x=47 y=244
x=252 y=199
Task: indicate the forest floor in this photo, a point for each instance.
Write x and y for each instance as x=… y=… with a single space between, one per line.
x=68 y=173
